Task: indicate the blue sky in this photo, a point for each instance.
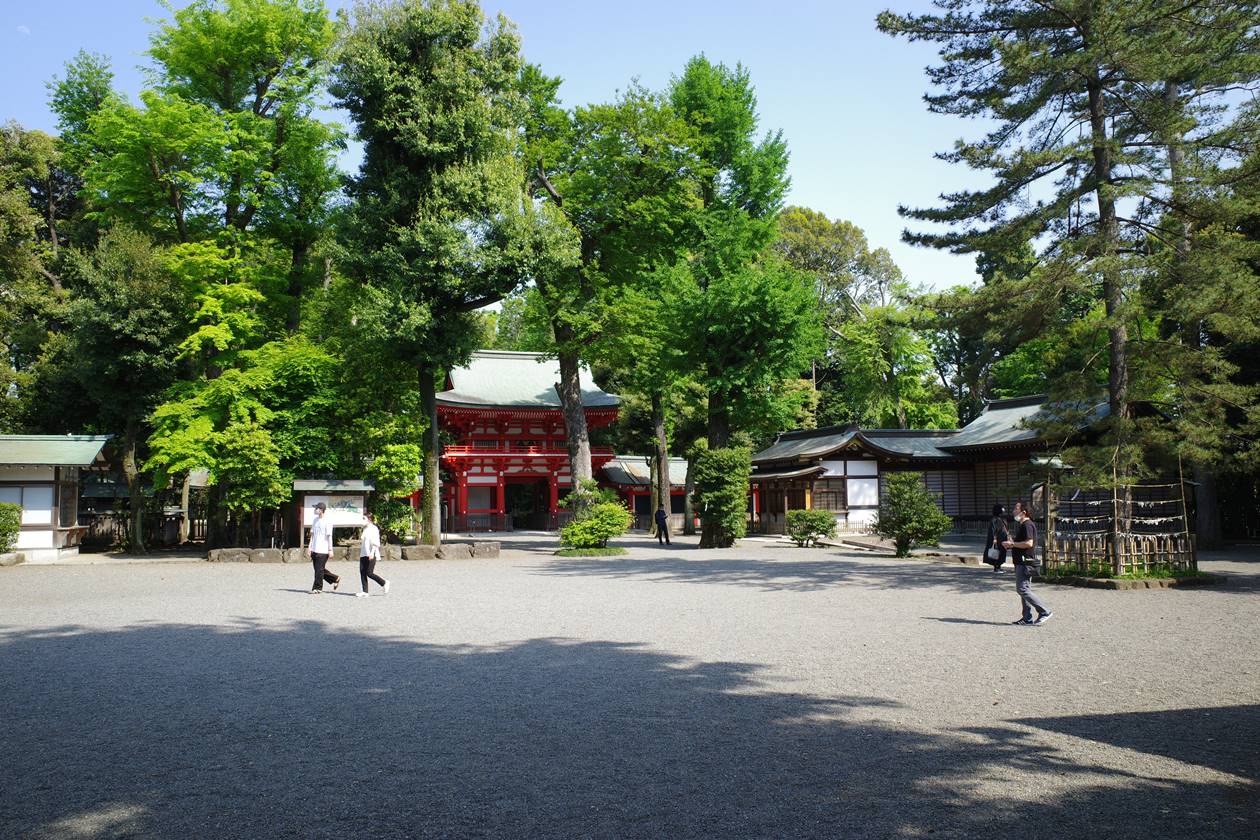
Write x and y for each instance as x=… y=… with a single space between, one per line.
x=847 y=98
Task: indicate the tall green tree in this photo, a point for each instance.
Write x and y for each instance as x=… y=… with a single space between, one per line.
x=440 y=223
x=618 y=179
x=1074 y=90
x=126 y=325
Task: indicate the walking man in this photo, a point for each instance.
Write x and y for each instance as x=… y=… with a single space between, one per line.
x=1024 y=552
x=369 y=553
x=320 y=548
x=662 y=526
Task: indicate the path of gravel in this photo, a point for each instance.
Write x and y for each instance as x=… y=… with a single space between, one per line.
x=765 y=692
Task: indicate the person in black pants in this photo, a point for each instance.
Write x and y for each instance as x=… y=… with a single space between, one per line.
x=1024 y=553
x=369 y=553
x=662 y=526
x=998 y=534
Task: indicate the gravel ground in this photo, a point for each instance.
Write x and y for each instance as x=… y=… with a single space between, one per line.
x=675 y=693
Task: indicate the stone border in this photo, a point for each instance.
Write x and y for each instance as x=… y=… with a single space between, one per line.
x=342 y=553
x=12 y=558
x=1135 y=583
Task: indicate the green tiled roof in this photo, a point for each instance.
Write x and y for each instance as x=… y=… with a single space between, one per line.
x=499 y=378
x=804 y=444
x=50 y=450
x=1001 y=423
x=911 y=443
x=633 y=470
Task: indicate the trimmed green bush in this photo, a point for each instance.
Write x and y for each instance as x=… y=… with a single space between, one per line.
x=610 y=551
x=909 y=514
x=807 y=527
x=10 y=526
x=721 y=477
x=595 y=525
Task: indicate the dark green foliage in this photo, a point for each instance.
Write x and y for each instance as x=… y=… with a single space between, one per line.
x=594 y=525
x=440 y=223
x=909 y=514
x=807 y=527
x=721 y=497
x=396 y=473
x=1121 y=119
x=10 y=526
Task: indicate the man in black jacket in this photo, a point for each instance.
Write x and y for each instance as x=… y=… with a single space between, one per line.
x=1024 y=552
x=662 y=525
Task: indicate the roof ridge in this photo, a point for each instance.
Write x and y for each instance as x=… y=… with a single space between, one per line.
x=506 y=354
x=910 y=432
x=1012 y=402
x=825 y=431
x=55 y=437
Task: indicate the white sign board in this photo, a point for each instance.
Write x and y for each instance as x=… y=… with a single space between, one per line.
x=343 y=511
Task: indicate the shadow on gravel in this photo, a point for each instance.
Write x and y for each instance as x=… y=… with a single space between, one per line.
x=787 y=572
x=170 y=731
x=1225 y=738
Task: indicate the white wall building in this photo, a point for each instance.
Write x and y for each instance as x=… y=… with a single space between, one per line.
x=41 y=474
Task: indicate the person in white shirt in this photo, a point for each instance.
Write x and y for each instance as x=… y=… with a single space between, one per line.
x=369 y=553
x=320 y=548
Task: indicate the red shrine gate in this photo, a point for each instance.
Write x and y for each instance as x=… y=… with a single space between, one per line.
x=509 y=466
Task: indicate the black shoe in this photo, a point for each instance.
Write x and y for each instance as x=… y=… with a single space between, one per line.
x=336 y=583
x=1023 y=622
x=1043 y=618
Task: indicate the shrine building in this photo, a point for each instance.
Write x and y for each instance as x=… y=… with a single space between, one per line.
x=508 y=467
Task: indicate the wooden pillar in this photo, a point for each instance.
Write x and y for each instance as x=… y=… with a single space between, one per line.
x=809 y=496
x=461 y=482
x=553 y=486
x=500 y=496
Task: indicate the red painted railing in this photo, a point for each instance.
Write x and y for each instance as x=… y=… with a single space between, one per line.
x=510 y=449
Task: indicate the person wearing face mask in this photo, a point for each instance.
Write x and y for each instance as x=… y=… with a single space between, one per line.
x=1024 y=552
x=320 y=549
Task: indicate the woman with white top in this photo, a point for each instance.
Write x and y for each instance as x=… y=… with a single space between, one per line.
x=369 y=553
x=320 y=548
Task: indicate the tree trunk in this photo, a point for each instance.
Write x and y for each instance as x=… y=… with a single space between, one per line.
x=569 y=388
x=1207 y=511
x=719 y=418
x=185 y=500
x=1113 y=292
x=134 y=493
x=430 y=498
x=1105 y=252
x=662 y=454
x=689 y=513
x=297 y=276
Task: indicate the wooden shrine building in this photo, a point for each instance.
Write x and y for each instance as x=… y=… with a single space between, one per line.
x=509 y=464
x=843 y=470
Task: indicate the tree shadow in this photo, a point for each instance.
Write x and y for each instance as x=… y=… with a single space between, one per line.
x=793 y=569
x=1223 y=738
x=251 y=730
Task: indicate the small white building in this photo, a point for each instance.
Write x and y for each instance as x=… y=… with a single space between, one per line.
x=41 y=473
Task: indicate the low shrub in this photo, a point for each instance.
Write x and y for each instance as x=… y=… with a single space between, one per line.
x=594 y=525
x=10 y=526
x=807 y=527
x=909 y=514
x=610 y=551
x=721 y=479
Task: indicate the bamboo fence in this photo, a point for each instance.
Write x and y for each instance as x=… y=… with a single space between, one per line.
x=1135 y=529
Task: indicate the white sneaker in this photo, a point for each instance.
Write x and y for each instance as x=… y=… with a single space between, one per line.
x=386 y=588
x=360 y=594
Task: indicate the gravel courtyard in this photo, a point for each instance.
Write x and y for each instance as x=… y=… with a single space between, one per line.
x=766 y=692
